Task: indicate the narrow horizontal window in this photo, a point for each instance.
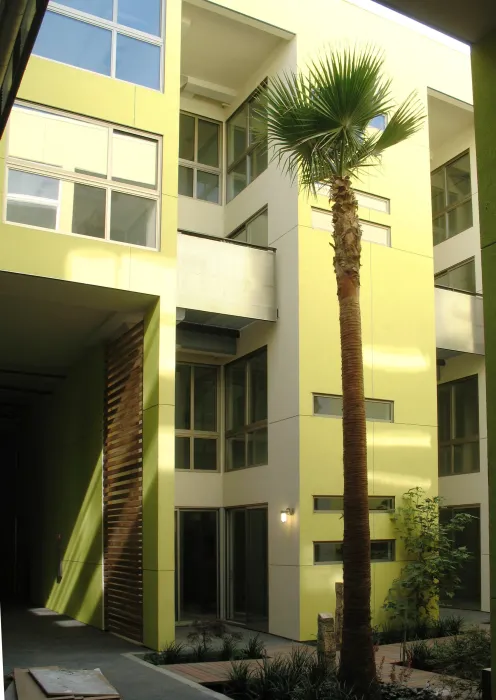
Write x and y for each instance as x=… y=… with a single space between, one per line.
x=372 y=233
x=331 y=504
x=330 y=405
x=332 y=552
x=373 y=201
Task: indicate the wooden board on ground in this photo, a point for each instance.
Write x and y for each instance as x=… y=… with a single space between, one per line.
x=60 y=683
x=27 y=688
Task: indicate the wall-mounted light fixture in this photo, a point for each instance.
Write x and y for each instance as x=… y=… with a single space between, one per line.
x=285 y=513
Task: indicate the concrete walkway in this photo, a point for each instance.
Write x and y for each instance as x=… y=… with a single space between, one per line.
x=43 y=638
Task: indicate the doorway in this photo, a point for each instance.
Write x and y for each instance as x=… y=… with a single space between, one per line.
x=197 y=565
x=247 y=553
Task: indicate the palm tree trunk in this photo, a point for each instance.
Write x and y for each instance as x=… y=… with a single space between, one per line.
x=357 y=665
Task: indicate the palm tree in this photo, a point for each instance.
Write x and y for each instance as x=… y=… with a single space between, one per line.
x=318 y=123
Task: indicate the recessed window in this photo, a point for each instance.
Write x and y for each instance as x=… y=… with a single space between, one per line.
x=332 y=552
x=372 y=233
x=199 y=158
x=255 y=231
x=82 y=177
x=197 y=423
x=246 y=154
x=451 y=194
x=372 y=201
x=125 y=38
x=458 y=426
x=246 y=412
x=459 y=277
x=332 y=405
x=330 y=504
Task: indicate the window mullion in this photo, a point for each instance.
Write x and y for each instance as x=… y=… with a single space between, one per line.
x=108 y=204
x=192 y=415
x=113 y=54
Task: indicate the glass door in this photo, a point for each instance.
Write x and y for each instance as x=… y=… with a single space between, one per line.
x=197 y=566
x=248 y=600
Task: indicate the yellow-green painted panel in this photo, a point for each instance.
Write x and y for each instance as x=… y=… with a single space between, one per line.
x=158 y=608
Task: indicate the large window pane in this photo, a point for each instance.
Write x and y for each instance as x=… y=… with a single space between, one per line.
x=99 y=8
x=69 y=144
x=258 y=230
x=327 y=552
x=187 y=137
x=205 y=411
x=463 y=277
x=207 y=186
x=208 y=143
x=258 y=162
x=328 y=405
x=379 y=410
x=134 y=159
x=140 y=14
x=31 y=214
x=237 y=142
x=458 y=180
x=439 y=229
x=68 y=40
x=237 y=179
x=138 y=62
x=205 y=454
x=236 y=396
x=460 y=218
x=185 y=184
x=33 y=185
x=236 y=458
x=258 y=447
x=444 y=413
x=466 y=408
x=182 y=458
x=258 y=388
x=88 y=213
x=382 y=550
x=444 y=461
x=133 y=219
x=438 y=194
x=183 y=397
x=466 y=458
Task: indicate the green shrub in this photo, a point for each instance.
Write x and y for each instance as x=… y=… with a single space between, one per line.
x=450 y=625
x=254 y=648
x=230 y=650
x=419 y=655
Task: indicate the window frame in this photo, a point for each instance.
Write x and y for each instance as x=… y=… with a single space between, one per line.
x=338 y=396
x=339 y=562
x=115 y=28
x=453 y=441
x=340 y=510
x=449 y=208
x=248 y=428
x=250 y=147
x=101 y=182
x=196 y=166
x=448 y=270
x=192 y=433
x=245 y=224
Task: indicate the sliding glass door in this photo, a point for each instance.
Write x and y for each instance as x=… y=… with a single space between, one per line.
x=197 y=565
x=247 y=555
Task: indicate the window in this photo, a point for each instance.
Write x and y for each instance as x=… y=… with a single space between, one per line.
x=364 y=199
x=375 y=410
x=246 y=412
x=373 y=233
x=82 y=177
x=332 y=552
x=459 y=277
x=246 y=154
x=458 y=426
x=197 y=431
x=254 y=231
x=451 y=193
x=329 y=504
x=125 y=38
x=199 y=155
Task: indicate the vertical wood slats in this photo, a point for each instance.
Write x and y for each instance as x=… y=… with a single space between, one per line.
x=123 y=495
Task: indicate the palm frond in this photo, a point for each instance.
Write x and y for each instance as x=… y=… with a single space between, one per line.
x=317 y=120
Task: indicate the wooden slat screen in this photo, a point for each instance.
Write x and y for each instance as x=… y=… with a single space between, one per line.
x=123 y=485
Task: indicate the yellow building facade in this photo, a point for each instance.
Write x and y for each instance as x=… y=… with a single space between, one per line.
x=133 y=197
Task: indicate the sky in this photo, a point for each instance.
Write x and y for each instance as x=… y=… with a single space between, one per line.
x=416 y=26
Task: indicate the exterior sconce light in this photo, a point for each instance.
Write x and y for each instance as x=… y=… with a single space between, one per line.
x=285 y=513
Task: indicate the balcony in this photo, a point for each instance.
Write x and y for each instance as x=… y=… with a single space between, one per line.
x=232 y=281
x=459 y=322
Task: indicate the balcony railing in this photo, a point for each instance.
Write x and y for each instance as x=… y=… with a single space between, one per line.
x=223 y=276
x=459 y=321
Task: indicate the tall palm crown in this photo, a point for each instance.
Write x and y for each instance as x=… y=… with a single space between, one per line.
x=318 y=120
x=318 y=123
